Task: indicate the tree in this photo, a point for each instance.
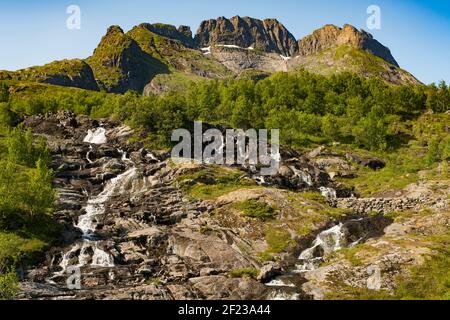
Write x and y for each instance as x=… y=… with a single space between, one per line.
x=330 y=127
x=9 y=285
x=372 y=132
x=24 y=149
x=4 y=92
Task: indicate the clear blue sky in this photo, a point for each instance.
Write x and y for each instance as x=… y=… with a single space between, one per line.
x=35 y=33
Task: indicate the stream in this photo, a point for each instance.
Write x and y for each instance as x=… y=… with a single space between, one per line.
x=89 y=251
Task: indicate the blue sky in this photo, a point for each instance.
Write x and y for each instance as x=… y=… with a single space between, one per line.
x=35 y=33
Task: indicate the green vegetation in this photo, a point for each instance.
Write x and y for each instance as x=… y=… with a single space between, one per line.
x=154 y=281
x=429 y=281
x=247 y=272
x=278 y=240
x=256 y=209
x=212 y=182
x=309 y=109
x=9 y=285
x=66 y=68
x=26 y=225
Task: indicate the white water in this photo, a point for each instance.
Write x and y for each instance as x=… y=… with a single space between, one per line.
x=305 y=177
x=87 y=155
x=88 y=251
x=98 y=136
x=328 y=193
x=96 y=205
x=283 y=296
x=326 y=242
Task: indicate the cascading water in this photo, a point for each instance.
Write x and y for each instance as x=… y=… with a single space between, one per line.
x=328 y=193
x=89 y=251
x=303 y=176
x=286 y=286
x=97 y=136
x=326 y=242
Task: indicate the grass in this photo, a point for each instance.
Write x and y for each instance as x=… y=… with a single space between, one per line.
x=246 y=272
x=256 y=209
x=154 y=281
x=278 y=240
x=9 y=285
x=429 y=281
x=212 y=182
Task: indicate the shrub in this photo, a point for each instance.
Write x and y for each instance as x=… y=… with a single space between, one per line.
x=256 y=209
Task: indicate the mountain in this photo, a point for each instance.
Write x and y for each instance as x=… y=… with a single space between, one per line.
x=156 y=58
x=120 y=64
x=70 y=73
x=267 y=35
x=331 y=36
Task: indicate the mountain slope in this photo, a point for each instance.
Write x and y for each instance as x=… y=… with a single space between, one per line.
x=70 y=73
x=120 y=64
x=156 y=58
x=331 y=36
x=346 y=58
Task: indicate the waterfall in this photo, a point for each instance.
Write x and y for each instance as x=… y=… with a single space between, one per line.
x=326 y=242
x=89 y=251
x=97 y=136
x=96 y=206
x=303 y=176
x=87 y=154
x=328 y=193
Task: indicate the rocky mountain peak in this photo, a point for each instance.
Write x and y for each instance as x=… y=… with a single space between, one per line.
x=114 y=29
x=183 y=34
x=267 y=35
x=331 y=36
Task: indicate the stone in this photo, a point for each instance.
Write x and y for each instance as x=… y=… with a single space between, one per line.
x=268 y=272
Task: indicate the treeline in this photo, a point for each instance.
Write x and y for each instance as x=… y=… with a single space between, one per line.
x=308 y=108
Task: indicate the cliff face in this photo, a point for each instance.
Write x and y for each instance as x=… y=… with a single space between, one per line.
x=331 y=36
x=267 y=35
x=182 y=34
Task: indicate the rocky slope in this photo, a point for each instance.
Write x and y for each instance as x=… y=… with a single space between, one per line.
x=69 y=73
x=268 y=35
x=158 y=57
x=331 y=36
x=140 y=227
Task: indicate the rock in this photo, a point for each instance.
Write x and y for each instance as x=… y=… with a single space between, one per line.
x=317 y=152
x=268 y=35
x=182 y=34
x=373 y=163
x=268 y=272
x=205 y=272
x=220 y=287
x=331 y=36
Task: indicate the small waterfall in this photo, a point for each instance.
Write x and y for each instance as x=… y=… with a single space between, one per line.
x=96 y=206
x=88 y=153
x=303 y=176
x=328 y=193
x=97 y=136
x=326 y=242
